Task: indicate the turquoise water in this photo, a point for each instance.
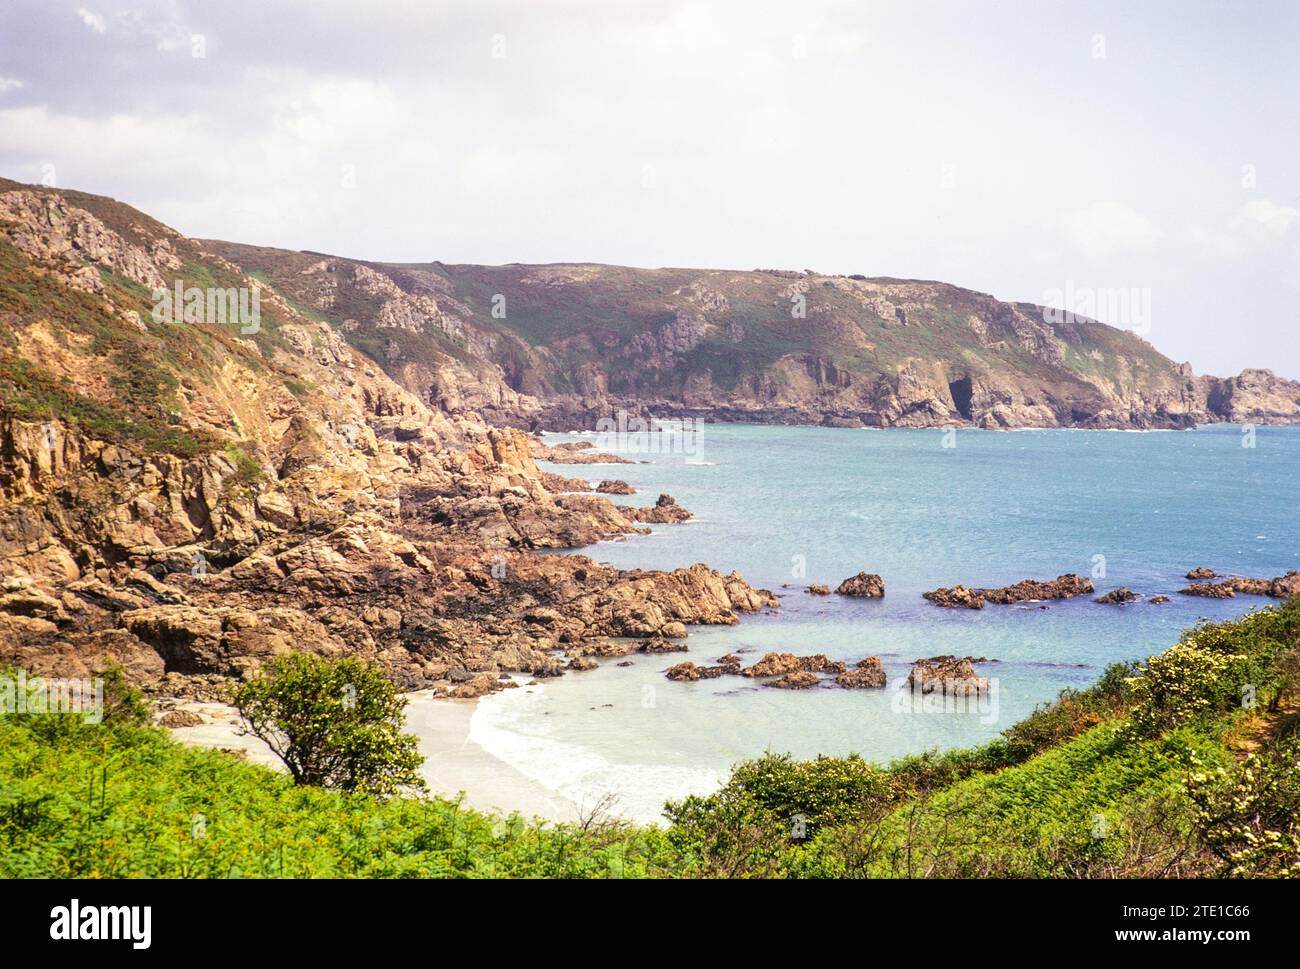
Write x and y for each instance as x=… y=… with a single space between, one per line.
x=790 y=506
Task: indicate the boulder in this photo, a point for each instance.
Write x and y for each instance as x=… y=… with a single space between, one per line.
x=1201 y=572
x=817 y=589
x=658 y=644
x=1117 y=597
x=480 y=684
x=1286 y=586
x=1211 y=590
x=867 y=674
x=779 y=664
x=689 y=672
x=955 y=597
x=864 y=585
x=1062 y=587
x=180 y=718
x=948 y=675
x=665 y=511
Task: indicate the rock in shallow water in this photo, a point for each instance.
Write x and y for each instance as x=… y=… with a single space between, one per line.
x=868 y=674
x=864 y=585
x=1117 y=597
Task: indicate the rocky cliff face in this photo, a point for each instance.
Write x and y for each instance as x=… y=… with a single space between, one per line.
x=574 y=343
x=186 y=499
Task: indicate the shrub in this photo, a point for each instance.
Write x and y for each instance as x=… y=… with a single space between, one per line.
x=1250 y=816
x=334 y=723
x=1181 y=684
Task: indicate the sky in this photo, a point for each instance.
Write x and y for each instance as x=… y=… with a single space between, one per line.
x=1139 y=162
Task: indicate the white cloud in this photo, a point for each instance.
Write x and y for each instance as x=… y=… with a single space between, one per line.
x=1107 y=228
x=94 y=21
x=1274 y=218
x=9 y=84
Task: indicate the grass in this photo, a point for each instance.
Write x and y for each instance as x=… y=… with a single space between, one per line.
x=33 y=394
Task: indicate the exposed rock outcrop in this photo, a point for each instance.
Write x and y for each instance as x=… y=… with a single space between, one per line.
x=1282 y=587
x=1117 y=597
x=797 y=680
x=947 y=675
x=866 y=674
x=280 y=492
x=1027 y=590
x=864 y=585
x=955 y=597
x=665 y=511
x=779 y=664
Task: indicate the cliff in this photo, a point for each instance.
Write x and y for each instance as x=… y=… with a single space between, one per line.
x=560 y=346
x=185 y=498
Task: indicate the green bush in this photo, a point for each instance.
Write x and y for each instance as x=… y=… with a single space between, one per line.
x=335 y=724
x=1182 y=684
x=1249 y=815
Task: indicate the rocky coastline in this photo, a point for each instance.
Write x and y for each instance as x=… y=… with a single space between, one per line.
x=185 y=502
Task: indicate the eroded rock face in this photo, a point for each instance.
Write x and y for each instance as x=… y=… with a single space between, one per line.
x=864 y=585
x=326 y=509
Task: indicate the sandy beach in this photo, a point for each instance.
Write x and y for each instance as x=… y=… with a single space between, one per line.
x=454 y=764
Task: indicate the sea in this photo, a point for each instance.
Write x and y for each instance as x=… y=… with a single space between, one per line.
x=789 y=506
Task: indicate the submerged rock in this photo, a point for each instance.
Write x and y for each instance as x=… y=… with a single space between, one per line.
x=818 y=589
